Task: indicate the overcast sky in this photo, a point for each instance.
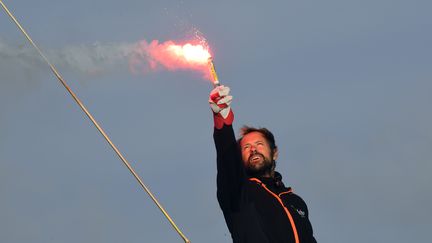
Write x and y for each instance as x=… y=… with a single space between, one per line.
x=344 y=85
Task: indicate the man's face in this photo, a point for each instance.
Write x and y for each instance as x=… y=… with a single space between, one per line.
x=256 y=154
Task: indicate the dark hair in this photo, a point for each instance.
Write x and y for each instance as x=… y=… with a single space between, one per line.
x=264 y=131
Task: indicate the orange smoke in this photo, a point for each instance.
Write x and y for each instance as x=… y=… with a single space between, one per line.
x=170 y=56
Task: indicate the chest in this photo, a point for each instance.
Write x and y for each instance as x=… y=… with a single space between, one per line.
x=280 y=205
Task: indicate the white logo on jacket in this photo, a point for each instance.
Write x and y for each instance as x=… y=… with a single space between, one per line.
x=301 y=213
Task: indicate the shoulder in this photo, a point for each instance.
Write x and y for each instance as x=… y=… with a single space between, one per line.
x=294 y=200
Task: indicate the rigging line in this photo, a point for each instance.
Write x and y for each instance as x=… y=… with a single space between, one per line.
x=95 y=123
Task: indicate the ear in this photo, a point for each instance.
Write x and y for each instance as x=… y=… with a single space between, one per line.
x=275 y=154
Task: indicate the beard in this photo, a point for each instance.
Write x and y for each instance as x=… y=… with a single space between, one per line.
x=263 y=167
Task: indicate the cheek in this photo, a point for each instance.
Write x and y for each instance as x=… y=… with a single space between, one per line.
x=266 y=153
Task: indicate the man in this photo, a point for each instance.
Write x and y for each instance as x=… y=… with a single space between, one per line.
x=257 y=207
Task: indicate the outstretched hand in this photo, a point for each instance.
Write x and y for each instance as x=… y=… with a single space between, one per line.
x=220 y=101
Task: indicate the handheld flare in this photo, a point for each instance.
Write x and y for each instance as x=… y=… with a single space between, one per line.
x=213 y=72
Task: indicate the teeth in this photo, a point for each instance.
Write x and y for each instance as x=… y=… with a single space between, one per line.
x=255 y=157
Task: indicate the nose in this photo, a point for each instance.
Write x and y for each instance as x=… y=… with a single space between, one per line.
x=253 y=149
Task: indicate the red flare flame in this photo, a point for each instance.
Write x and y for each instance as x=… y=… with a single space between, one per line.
x=170 y=56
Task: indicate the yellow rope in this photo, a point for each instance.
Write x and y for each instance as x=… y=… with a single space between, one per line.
x=99 y=128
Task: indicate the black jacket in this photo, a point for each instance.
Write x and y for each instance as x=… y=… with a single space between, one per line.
x=257 y=210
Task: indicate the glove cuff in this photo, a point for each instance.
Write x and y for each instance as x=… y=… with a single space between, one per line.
x=220 y=121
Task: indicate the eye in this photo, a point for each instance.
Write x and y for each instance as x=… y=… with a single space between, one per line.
x=246 y=147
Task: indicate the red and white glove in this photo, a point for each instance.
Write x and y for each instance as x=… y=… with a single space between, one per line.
x=220 y=101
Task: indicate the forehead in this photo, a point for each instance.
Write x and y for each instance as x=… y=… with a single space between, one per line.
x=253 y=137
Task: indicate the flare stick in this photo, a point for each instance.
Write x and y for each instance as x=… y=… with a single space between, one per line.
x=213 y=72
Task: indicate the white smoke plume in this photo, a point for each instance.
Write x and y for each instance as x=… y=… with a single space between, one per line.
x=84 y=59
x=22 y=62
x=93 y=58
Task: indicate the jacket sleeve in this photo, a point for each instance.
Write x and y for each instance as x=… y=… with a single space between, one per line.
x=230 y=171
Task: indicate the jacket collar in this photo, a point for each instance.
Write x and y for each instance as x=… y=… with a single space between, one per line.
x=273 y=182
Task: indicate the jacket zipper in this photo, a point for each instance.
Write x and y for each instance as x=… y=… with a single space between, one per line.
x=291 y=219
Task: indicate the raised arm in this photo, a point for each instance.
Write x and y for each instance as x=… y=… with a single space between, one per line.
x=230 y=172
